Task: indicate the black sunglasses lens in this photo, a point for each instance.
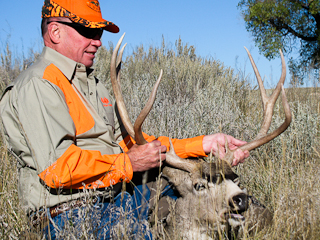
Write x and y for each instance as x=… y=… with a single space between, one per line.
x=84 y=31
x=90 y=32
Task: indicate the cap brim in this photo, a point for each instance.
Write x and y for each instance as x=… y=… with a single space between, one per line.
x=106 y=25
x=112 y=28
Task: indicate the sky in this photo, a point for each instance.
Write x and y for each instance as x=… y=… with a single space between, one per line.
x=215 y=28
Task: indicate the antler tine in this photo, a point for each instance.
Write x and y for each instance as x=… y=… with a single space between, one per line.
x=268 y=105
x=119 y=61
x=268 y=137
x=268 y=102
x=134 y=131
x=282 y=77
x=256 y=71
x=115 y=80
x=144 y=113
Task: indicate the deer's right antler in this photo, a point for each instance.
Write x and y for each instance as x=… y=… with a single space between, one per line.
x=268 y=106
x=134 y=131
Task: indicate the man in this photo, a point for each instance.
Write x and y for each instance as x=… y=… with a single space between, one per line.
x=60 y=123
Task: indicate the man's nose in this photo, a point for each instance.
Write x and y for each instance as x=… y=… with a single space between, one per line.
x=96 y=41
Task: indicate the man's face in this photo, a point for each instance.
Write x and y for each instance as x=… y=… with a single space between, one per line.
x=78 y=47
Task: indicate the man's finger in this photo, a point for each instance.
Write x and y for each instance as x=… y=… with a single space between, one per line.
x=235 y=141
x=221 y=151
x=239 y=156
x=162 y=157
x=156 y=143
x=246 y=154
x=163 y=149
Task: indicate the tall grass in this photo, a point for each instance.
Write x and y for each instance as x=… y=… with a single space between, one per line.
x=202 y=96
x=12 y=218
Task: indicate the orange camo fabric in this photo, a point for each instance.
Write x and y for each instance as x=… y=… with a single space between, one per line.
x=52 y=9
x=94 y=5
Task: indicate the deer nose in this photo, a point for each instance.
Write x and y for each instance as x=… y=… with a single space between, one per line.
x=239 y=202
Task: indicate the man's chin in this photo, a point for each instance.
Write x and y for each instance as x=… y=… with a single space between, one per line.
x=88 y=64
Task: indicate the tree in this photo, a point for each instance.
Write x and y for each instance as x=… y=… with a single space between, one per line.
x=287 y=24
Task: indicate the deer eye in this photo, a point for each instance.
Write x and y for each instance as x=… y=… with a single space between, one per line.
x=215 y=178
x=199 y=186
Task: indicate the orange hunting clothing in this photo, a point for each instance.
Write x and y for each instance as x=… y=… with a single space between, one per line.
x=60 y=123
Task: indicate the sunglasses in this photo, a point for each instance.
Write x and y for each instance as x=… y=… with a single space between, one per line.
x=89 y=33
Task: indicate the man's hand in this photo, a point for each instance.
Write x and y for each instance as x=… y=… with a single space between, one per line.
x=216 y=144
x=148 y=156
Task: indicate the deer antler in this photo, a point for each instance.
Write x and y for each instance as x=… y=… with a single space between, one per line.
x=134 y=131
x=268 y=105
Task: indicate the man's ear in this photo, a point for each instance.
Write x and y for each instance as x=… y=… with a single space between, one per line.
x=54 y=32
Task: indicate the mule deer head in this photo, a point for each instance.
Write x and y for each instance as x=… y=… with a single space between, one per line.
x=209 y=191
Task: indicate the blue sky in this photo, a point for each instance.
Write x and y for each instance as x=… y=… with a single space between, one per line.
x=215 y=28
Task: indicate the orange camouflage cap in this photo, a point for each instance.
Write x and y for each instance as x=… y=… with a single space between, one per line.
x=84 y=12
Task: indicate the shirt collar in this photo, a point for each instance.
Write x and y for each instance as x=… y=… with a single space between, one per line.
x=66 y=65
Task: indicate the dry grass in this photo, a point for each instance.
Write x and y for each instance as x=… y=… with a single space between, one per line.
x=201 y=96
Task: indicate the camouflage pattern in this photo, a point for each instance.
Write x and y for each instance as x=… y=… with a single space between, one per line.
x=94 y=5
x=52 y=9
